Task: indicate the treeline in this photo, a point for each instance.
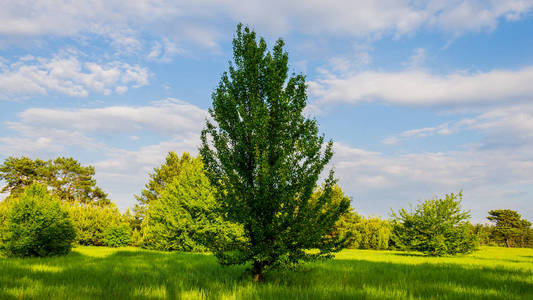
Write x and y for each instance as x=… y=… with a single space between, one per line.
x=177 y=211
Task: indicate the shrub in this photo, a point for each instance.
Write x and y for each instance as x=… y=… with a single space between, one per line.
x=4 y=208
x=37 y=225
x=436 y=227
x=117 y=236
x=136 y=239
x=92 y=221
x=373 y=233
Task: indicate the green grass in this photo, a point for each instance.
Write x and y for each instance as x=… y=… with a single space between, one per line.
x=130 y=273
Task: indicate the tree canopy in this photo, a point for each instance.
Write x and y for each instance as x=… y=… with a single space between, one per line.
x=435 y=227
x=264 y=157
x=186 y=216
x=65 y=177
x=159 y=179
x=510 y=228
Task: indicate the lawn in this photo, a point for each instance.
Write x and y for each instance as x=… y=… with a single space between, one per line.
x=130 y=273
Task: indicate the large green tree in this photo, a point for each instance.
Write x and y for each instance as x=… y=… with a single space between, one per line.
x=186 y=216
x=65 y=177
x=435 y=227
x=510 y=229
x=264 y=157
x=159 y=179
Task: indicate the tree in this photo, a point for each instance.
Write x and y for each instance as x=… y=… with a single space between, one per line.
x=264 y=157
x=92 y=221
x=186 y=216
x=37 y=225
x=510 y=228
x=159 y=179
x=436 y=227
x=65 y=177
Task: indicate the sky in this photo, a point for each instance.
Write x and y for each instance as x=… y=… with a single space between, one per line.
x=421 y=98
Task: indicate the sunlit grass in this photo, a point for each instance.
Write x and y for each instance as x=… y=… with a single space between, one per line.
x=131 y=273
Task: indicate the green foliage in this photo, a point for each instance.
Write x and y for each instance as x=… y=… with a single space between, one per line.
x=510 y=229
x=159 y=179
x=484 y=233
x=136 y=239
x=185 y=217
x=4 y=209
x=66 y=178
x=117 y=236
x=37 y=225
x=264 y=157
x=436 y=227
x=372 y=233
x=92 y=221
x=345 y=228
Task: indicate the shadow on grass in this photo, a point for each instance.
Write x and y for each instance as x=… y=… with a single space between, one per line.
x=155 y=275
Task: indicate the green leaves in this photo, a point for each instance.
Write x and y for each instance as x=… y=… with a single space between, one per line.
x=511 y=230
x=37 y=225
x=264 y=157
x=186 y=216
x=66 y=177
x=435 y=227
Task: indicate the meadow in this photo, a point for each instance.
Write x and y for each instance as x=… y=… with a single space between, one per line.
x=132 y=273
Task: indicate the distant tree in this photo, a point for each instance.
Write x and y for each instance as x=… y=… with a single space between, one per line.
x=264 y=157
x=92 y=221
x=373 y=233
x=510 y=228
x=117 y=236
x=37 y=225
x=186 y=216
x=159 y=179
x=65 y=177
x=484 y=233
x=435 y=227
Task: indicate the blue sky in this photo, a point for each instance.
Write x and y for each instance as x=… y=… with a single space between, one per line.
x=421 y=98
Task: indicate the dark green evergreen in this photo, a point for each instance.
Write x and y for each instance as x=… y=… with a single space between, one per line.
x=435 y=227
x=264 y=157
x=510 y=229
x=64 y=176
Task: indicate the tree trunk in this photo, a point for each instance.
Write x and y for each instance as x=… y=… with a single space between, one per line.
x=258 y=271
x=508 y=242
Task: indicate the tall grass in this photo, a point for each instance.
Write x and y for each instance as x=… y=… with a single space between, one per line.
x=130 y=273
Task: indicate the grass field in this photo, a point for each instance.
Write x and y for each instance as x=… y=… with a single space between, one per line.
x=130 y=273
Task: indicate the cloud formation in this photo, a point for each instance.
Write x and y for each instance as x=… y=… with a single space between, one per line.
x=421 y=88
x=66 y=74
x=123 y=20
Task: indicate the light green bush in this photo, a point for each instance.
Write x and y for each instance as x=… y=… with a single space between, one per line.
x=37 y=225
x=92 y=221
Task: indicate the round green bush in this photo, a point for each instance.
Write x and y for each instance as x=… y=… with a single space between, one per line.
x=117 y=236
x=37 y=225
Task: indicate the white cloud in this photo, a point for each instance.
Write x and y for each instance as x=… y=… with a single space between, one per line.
x=420 y=88
x=163 y=52
x=170 y=116
x=195 y=20
x=508 y=126
x=66 y=74
x=378 y=181
x=48 y=133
